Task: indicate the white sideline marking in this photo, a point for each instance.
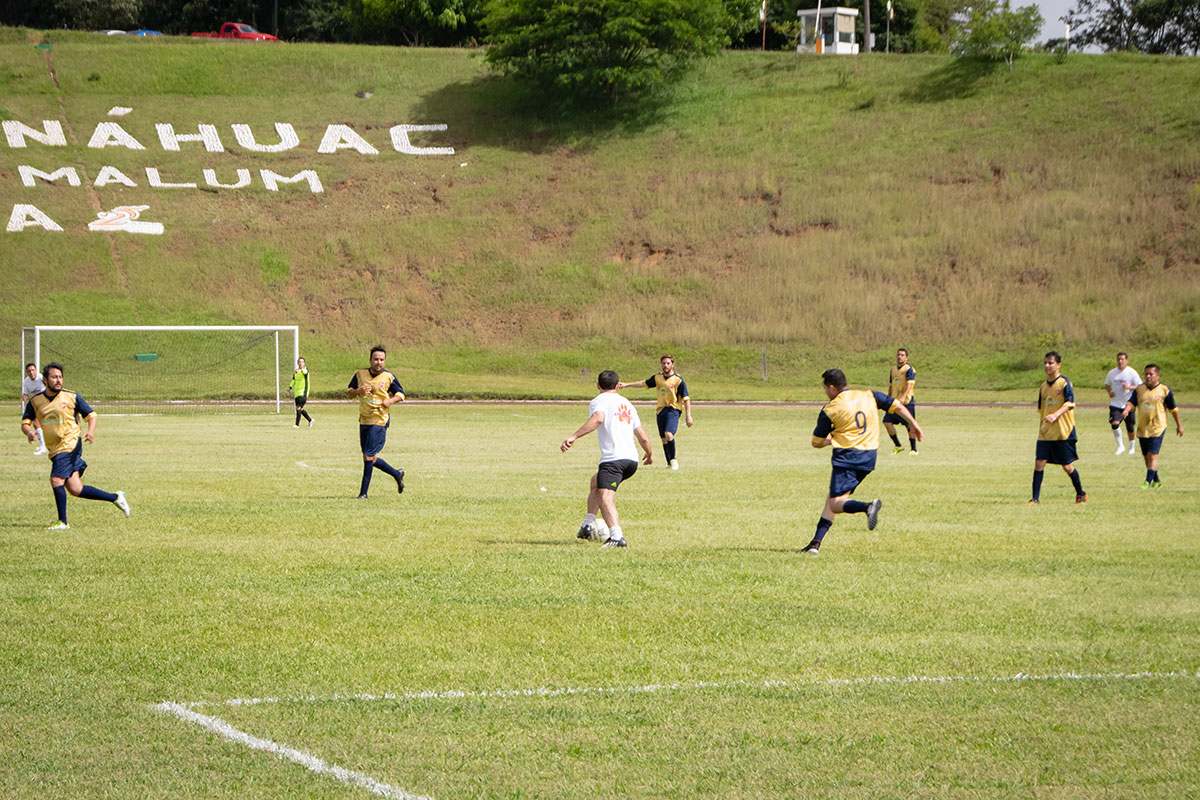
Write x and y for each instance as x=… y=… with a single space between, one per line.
x=185 y=712
x=311 y=762
x=327 y=469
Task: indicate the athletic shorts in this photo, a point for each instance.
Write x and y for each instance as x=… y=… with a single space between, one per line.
x=371 y=438
x=64 y=465
x=668 y=421
x=845 y=480
x=1150 y=444
x=300 y=401
x=612 y=473
x=1114 y=418
x=896 y=419
x=1057 y=452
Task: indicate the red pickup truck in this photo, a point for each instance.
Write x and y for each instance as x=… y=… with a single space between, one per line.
x=239 y=30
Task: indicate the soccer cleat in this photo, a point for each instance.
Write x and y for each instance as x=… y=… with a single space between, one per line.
x=912 y=452
x=1145 y=485
x=1131 y=450
x=58 y=526
x=586 y=531
x=873 y=514
x=41 y=451
x=297 y=425
x=813 y=549
x=310 y=422
x=122 y=504
x=1081 y=498
x=897 y=450
x=400 y=482
x=611 y=542
x=674 y=465
x=1156 y=484
x=1033 y=503
x=361 y=497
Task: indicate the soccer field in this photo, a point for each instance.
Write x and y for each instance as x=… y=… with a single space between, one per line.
x=253 y=631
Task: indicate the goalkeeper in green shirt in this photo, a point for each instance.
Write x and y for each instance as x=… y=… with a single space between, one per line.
x=299 y=387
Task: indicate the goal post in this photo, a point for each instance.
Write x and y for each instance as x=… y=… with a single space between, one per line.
x=155 y=368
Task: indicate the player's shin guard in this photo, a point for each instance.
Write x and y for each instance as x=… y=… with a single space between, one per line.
x=60 y=500
x=92 y=493
x=823 y=526
x=1076 y=482
x=366 y=479
x=1037 y=485
x=854 y=507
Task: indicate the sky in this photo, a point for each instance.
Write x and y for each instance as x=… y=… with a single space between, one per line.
x=1052 y=28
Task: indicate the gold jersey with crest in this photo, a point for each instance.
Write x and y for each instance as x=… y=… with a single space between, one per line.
x=851 y=421
x=1054 y=395
x=59 y=416
x=899 y=383
x=671 y=391
x=371 y=410
x=1152 y=405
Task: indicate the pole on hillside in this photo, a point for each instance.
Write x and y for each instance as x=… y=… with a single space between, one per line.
x=762 y=14
x=866 y=26
x=764 y=362
x=887 y=48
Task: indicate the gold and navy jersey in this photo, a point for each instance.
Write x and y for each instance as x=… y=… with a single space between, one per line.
x=852 y=421
x=58 y=414
x=371 y=410
x=1152 y=405
x=1054 y=395
x=299 y=384
x=671 y=391
x=898 y=383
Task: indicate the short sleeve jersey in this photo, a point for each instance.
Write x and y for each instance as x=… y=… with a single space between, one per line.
x=898 y=382
x=1153 y=405
x=853 y=420
x=31 y=386
x=671 y=391
x=371 y=410
x=300 y=383
x=1116 y=380
x=59 y=416
x=616 y=432
x=1054 y=395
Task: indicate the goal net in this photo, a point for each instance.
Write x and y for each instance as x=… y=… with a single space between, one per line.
x=142 y=369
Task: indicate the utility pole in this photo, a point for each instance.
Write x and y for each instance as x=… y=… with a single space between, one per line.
x=866 y=48
x=762 y=14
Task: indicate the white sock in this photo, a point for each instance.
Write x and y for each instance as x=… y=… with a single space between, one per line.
x=615 y=532
x=41 y=438
x=1117 y=436
x=589 y=519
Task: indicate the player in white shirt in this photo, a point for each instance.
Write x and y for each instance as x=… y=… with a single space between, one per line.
x=1120 y=384
x=32 y=384
x=618 y=426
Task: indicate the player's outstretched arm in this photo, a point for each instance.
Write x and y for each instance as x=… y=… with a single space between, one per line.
x=594 y=421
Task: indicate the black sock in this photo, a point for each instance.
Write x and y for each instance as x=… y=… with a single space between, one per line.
x=1037 y=484
x=823 y=526
x=366 y=480
x=912 y=443
x=60 y=500
x=855 y=507
x=1156 y=476
x=387 y=468
x=92 y=493
x=1076 y=482
x=1149 y=476
x=304 y=414
x=895 y=439
x=298 y=413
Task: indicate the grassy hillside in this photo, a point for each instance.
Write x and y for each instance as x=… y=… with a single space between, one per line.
x=824 y=209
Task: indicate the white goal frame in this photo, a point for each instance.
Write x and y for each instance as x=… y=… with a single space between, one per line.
x=294 y=330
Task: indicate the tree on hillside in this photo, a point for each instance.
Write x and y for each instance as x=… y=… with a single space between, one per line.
x=412 y=22
x=993 y=30
x=603 y=50
x=1165 y=27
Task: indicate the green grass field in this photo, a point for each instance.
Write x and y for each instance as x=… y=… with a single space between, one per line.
x=708 y=660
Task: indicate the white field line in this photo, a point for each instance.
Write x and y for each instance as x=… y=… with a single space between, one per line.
x=326 y=469
x=187 y=713
x=459 y=694
x=311 y=762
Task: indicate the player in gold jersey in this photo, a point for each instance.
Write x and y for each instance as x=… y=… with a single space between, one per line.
x=902 y=383
x=377 y=391
x=1056 y=434
x=1153 y=400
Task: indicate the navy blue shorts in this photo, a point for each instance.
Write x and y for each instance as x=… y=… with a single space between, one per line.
x=1114 y=418
x=1059 y=452
x=300 y=401
x=64 y=465
x=668 y=421
x=371 y=438
x=845 y=480
x=612 y=473
x=896 y=419
x=1150 y=444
